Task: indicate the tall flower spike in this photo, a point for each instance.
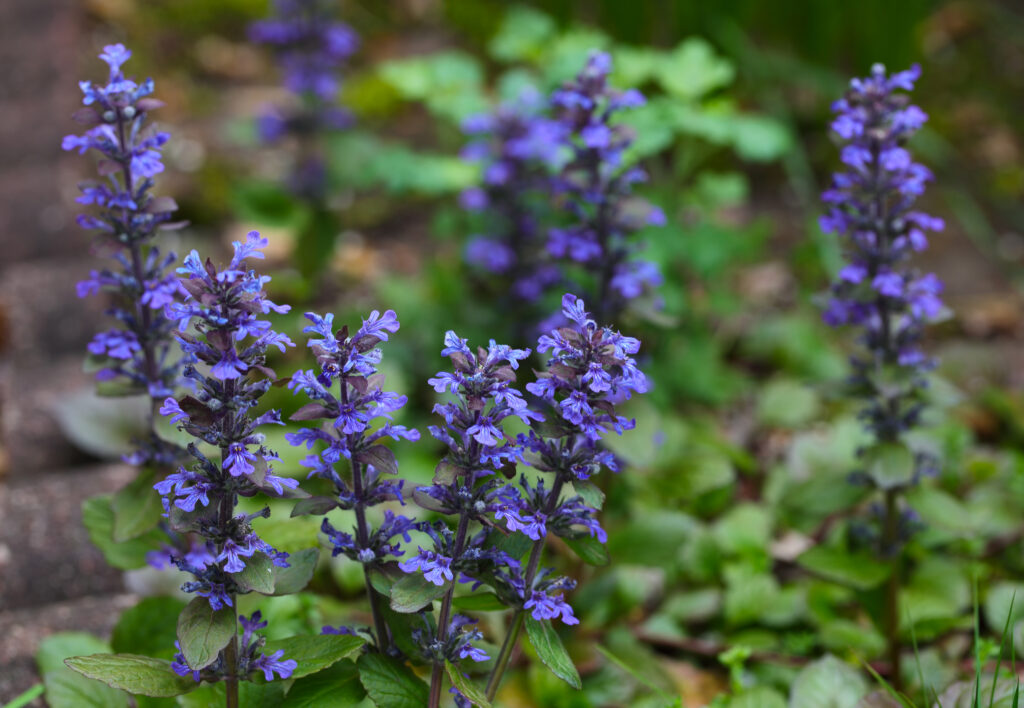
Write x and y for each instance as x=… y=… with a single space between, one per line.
x=517 y=146
x=311 y=46
x=351 y=430
x=466 y=481
x=227 y=352
x=596 y=191
x=135 y=355
x=590 y=370
x=871 y=209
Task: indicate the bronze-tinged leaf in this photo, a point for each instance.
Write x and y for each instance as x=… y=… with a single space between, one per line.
x=311 y=411
x=562 y=371
x=504 y=373
x=382 y=459
x=159 y=205
x=197 y=411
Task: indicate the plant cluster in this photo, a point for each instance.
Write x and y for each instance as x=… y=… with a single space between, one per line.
x=499 y=508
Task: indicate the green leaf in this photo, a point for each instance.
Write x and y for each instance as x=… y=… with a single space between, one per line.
x=57 y=647
x=592 y=494
x=68 y=689
x=136 y=507
x=102 y=426
x=250 y=695
x=523 y=36
x=140 y=675
x=337 y=685
x=589 y=549
x=746 y=529
x=479 y=602
x=257 y=575
x=550 y=650
x=148 y=628
x=317 y=651
x=313 y=506
x=856 y=570
x=760 y=138
x=693 y=69
x=203 y=632
x=466 y=687
x=891 y=465
x=264 y=203
x=26 y=697
x=827 y=683
x=785 y=403
x=414 y=592
x=758 y=697
x=390 y=683
x=299 y=572
x=98 y=519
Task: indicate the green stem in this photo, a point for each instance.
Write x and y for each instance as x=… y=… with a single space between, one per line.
x=437 y=672
x=501 y=664
x=892 y=590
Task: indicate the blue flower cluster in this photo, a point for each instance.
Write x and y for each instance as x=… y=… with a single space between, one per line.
x=311 y=47
x=231 y=340
x=871 y=208
x=517 y=147
x=350 y=412
x=135 y=355
x=250 y=659
x=595 y=189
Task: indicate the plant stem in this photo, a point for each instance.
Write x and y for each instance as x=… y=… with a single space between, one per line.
x=380 y=627
x=892 y=590
x=436 y=673
x=226 y=512
x=501 y=663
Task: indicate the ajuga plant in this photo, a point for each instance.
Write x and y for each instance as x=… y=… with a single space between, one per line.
x=136 y=355
x=871 y=209
x=590 y=369
x=224 y=337
x=350 y=410
x=468 y=485
x=228 y=365
x=595 y=189
x=312 y=46
x=517 y=148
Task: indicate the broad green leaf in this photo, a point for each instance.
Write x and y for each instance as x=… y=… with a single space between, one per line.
x=592 y=494
x=749 y=593
x=758 y=697
x=102 y=426
x=466 y=687
x=785 y=403
x=265 y=203
x=148 y=628
x=589 y=549
x=250 y=695
x=57 y=647
x=891 y=465
x=998 y=601
x=746 y=529
x=257 y=575
x=390 y=683
x=316 y=651
x=337 y=685
x=314 y=506
x=98 y=519
x=693 y=69
x=523 y=35
x=203 y=632
x=136 y=507
x=140 y=675
x=299 y=572
x=827 y=683
x=68 y=689
x=550 y=650
x=856 y=570
x=478 y=602
x=637 y=660
x=760 y=138
x=414 y=592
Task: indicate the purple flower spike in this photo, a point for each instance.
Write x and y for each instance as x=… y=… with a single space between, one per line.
x=871 y=209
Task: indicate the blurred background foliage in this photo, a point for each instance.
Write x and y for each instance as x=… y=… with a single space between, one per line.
x=731 y=526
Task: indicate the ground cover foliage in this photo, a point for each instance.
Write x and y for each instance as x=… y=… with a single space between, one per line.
x=740 y=568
